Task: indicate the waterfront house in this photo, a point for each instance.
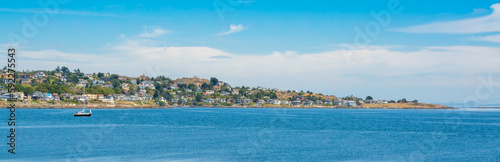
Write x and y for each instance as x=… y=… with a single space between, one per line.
x=209 y=100
x=246 y=101
x=109 y=101
x=100 y=97
x=309 y=103
x=38 y=96
x=350 y=103
x=295 y=103
x=276 y=102
x=67 y=96
x=319 y=102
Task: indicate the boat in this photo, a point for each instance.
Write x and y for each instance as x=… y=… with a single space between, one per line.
x=83 y=113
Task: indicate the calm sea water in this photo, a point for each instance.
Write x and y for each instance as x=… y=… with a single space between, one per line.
x=226 y=134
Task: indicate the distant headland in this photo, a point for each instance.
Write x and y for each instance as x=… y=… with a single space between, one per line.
x=62 y=88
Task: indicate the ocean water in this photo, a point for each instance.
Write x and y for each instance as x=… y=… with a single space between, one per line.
x=238 y=134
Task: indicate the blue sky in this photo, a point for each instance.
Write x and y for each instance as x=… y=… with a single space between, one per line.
x=435 y=51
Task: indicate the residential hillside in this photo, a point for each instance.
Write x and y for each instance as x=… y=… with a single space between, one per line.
x=65 y=88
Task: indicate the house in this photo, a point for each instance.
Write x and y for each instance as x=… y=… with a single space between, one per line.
x=225 y=93
x=246 y=101
x=276 y=102
x=90 y=96
x=39 y=74
x=122 y=78
x=209 y=92
x=148 y=83
x=295 y=103
x=48 y=96
x=235 y=91
x=125 y=86
x=96 y=82
x=351 y=103
x=285 y=102
x=109 y=101
x=217 y=87
x=25 y=81
x=319 y=102
x=328 y=102
x=56 y=96
x=100 y=97
x=237 y=101
x=38 y=96
x=339 y=102
x=67 y=96
x=109 y=86
x=309 y=103
x=173 y=87
x=209 y=100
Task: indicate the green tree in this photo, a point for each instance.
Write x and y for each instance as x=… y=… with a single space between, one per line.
x=117 y=90
x=65 y=70
x=198 y=98
x=29 y=90
x=100 y=75
x=214 y=81
x=369 y=98
x=116 y=82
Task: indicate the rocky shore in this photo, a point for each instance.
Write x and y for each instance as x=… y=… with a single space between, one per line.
x=133 y=105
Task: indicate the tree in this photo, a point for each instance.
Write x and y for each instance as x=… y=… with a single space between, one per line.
x=156 y=94
x=116 y=82
x=117 y=90
x=369 y=98
x=100 y=75
x=214 y=81
x=65 y=70
x=198 y=98
x=58 y=69
x=29 y=90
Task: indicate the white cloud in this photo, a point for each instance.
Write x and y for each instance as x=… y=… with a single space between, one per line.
x=488 y=23
x=489 y=38
x=152 y=32
x=480 y=11
x=233 y=29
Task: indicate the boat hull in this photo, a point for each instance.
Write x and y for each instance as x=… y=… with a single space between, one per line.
x=84 y=114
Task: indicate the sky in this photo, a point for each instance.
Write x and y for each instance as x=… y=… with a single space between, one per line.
x=433 y=51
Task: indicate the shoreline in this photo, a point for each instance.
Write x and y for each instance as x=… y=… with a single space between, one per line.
x=241 y=107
